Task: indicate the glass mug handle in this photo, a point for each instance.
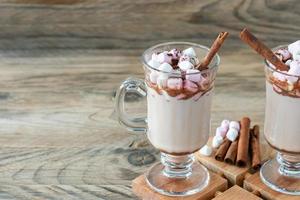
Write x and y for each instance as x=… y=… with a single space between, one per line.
x=132 y=85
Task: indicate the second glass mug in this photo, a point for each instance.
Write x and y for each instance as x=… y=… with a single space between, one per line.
x=178 y=124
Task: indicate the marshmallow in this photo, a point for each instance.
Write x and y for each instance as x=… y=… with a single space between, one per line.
x=279 y=76
x=163 y=57
x=190 y=52
x=288 y=62
x=193 y=75
x=294 y=48
x=153 y=76
x=206 y=150
x=175 y=83
x=153 y=63
x=154 y=57
x=221 y=131
x=232 y=134
x=217 y=141
x=235 y=125
x=185 y=65
x=225 y=124
x=284 y=53
x=175 y=53
x=162 y=80
x=165 y=67
x=190 y=86
x=296 y=57
x=194 y=60
x=294 y=71
x=184 y=58
x=181 y=96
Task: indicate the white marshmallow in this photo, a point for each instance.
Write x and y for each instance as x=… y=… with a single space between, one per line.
x=206 y=150
x=163 y=57
x=294 y=70
x=235 y=125
x=217 y=141
x=153 y=63
x=232 y=134
x=153 y=76
x=288 y=62
x=294 y=48
x=225 y=124
x=166 y=67
x=296 y=57
x=190 y=52
x=185 y=65
x=221 y=131
x=162 y=80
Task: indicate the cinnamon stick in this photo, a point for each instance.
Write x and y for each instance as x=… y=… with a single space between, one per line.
x=221 y=152
x=231 y=153
x=243 y=144
x=262 y=49
x=213 y=50
x=255 y=149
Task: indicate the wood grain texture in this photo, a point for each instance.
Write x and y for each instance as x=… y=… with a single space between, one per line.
x=143 y=191
x=254 y=183
x=104 y=24
x=61 y=62
x=236 y=193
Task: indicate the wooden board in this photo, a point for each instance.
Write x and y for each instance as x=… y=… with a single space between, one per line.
x=234 y=174
x=143 y=191
x=254 y=183
x=236 y=193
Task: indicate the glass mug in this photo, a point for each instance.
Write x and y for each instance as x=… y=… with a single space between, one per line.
x=282 y=132
x=177 y=122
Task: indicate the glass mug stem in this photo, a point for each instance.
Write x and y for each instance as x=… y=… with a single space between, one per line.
x=289 y=165
x=177 y=166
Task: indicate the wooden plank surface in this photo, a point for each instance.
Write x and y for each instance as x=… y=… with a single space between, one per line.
x=236 y=193
x=61 y=63
x=143 y=191
x=254 y=183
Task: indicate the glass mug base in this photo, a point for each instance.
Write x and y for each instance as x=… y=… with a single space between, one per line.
x=281 y=175
x=177 y=176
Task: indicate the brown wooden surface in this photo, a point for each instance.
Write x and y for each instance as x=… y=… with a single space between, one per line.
x=236 y=193
x=143 y=191
x=235 y=175
x=254 y=183
x=61 y=62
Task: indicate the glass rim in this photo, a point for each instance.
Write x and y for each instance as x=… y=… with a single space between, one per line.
x=147 y=51
x=269 y=65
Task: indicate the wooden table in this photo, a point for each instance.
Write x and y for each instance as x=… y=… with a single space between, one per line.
x=61 y=62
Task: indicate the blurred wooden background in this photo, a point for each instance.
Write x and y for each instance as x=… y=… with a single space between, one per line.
x=62 y=60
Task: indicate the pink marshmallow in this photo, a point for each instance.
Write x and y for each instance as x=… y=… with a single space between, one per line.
x=190 y=86
x=180 y=96
x=175 y=83
x=193 y=75
x=221 y=131
x=279 y=76
x=225 y=124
